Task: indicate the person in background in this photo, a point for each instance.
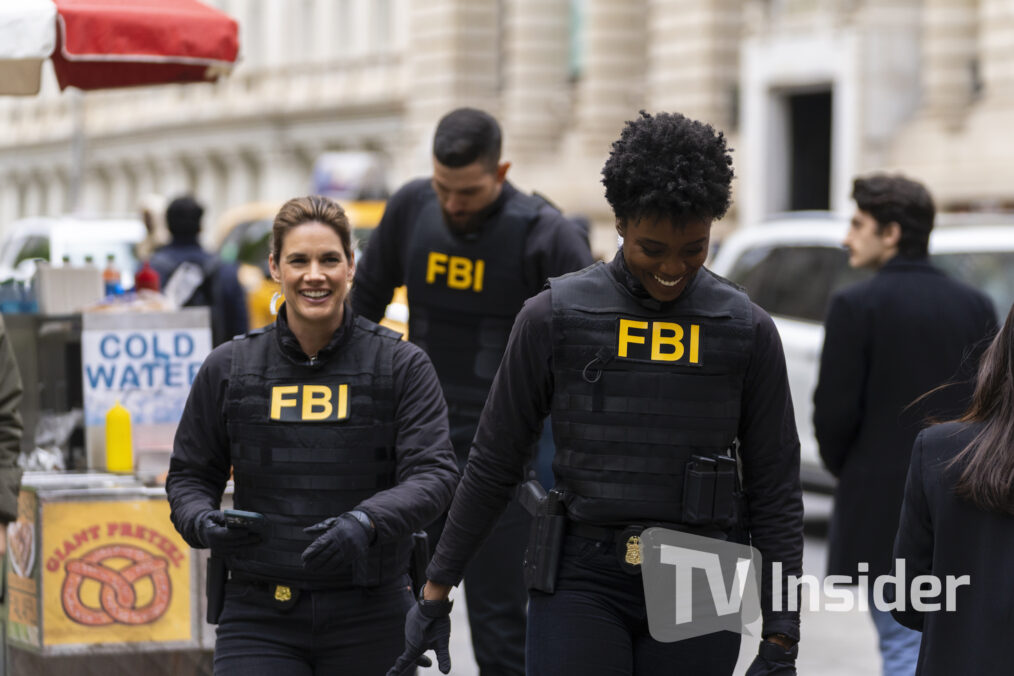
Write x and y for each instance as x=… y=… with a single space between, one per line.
x=471 y=248
x=957 y=519
x=152 y=210
x=888 y=340
x=632 y=408
x=10 y=436
x=192 y=277
x=335 y=432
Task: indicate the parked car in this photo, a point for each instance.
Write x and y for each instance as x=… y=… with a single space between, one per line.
x=74 y=238
x=244 y=237
x=791 y=265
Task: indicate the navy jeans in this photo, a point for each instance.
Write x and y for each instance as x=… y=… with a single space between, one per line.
x=353 y=632
x=595 y=625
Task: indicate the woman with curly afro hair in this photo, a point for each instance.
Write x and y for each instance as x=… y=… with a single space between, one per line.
x=670 y=409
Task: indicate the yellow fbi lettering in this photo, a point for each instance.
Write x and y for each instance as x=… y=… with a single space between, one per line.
x=659 y=341
x=309 y=403
x=460 y=272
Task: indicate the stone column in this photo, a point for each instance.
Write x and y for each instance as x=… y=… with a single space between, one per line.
x=95 y=190
x=10 y=187
x=453 y=59
x=57 y=195
x=170 y=178
x=997 y=49
x=282 y=175
x=240 y=178
x=693 y=58
x=948 y=50
x=611 y=87
x=536 y=70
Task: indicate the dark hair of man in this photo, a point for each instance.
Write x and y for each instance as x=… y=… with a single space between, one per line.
x=467 y=135
x=183 y=217
x=896 y=199
x=987 y=463
x=310 y=209
x=667 y=165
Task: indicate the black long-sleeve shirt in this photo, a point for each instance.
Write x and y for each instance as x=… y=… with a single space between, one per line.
x=520 y=400
x=554 y=246
x=426 y=468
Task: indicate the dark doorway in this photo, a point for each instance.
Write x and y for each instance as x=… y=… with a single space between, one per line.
x=810 y=161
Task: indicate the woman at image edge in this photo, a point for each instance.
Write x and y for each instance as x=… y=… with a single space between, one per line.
x=958 y=520
x=336 y=432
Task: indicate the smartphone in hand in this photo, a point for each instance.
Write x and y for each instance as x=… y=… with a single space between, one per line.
x=237 y=518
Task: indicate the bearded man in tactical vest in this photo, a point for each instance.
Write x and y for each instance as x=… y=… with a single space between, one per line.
x=652 y=368
x=470 y=248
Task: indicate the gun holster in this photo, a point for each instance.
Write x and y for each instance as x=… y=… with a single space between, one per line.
x=545 y=539
x=420 y=559
x=710 y=491
x=214 y=587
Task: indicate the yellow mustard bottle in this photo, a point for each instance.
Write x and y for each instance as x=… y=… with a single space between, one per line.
x=119 y=442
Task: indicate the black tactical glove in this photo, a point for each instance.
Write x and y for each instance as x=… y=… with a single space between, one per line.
x=341 y=539
x=220 y=539
x=427 y=627
x=774 y=660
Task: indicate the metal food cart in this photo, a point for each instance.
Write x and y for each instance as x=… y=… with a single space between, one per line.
x=98 y=581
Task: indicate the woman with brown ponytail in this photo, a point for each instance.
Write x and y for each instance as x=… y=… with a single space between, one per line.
x=958 y=520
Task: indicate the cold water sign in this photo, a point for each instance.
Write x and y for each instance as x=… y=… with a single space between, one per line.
x=146 y=361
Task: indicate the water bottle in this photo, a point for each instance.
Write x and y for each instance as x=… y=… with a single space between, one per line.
x=111 y=277
x=119 y=441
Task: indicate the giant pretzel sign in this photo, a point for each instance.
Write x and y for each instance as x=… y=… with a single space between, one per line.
x=117 y=595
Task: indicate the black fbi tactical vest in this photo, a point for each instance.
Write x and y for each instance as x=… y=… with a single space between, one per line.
x=639 y=390
x=311 y=441
x=463 y=295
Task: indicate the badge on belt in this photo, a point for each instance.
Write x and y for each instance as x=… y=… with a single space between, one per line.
x=284 y=596
x=628 y=549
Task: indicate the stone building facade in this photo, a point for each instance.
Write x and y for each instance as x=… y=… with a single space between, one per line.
x=810 y=93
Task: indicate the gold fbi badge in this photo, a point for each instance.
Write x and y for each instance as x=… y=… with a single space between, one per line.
x=283 y=593
x=633 y=556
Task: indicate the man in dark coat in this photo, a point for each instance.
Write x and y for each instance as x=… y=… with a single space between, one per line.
x=470 y=248
x=202 y=279
x=889 y=340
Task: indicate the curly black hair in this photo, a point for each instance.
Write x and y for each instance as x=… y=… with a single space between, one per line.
x=667 y=165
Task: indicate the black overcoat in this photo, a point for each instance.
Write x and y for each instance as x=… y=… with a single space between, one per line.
x=888 y=340
x=944 y=535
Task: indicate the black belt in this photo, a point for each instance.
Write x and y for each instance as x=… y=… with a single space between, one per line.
x=616 y=533
x=245 y=578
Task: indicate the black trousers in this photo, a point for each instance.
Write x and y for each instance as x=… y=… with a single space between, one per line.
x=595 y=625
x=353 y=632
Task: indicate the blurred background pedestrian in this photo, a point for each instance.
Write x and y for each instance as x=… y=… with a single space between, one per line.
x=193 y=277
x=958 y=520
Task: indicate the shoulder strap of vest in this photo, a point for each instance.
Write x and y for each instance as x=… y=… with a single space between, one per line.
x=724 y=280
x=526 y=206
x=365 y=324
x=580 y=288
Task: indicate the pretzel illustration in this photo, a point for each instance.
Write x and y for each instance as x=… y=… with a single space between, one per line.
x=117 y=595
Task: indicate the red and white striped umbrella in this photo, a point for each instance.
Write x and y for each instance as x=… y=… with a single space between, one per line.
x=103 y=44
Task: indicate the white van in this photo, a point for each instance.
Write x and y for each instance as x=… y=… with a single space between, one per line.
x=791 y=265
x=74 y=237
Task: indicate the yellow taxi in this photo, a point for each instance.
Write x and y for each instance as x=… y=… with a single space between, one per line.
x=243 y=236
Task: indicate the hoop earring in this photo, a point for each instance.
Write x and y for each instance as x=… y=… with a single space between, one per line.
x=273 y=307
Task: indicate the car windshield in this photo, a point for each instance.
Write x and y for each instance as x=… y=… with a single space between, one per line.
x=250 y=243
x=989 y=271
